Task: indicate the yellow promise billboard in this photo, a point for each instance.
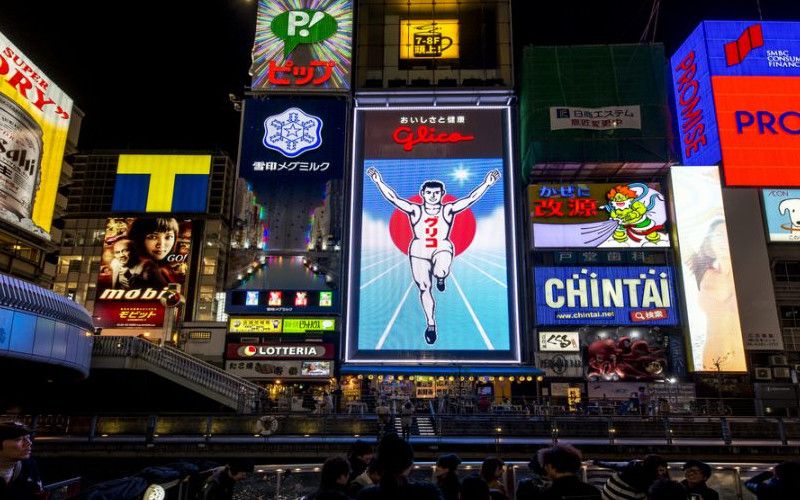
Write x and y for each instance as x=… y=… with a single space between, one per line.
x=34 y=119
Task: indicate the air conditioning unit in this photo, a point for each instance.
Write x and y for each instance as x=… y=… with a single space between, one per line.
x=781 y=372
x=777 y=359
x=762 y=373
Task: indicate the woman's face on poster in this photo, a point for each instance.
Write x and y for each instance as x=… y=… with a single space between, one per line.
x=159 y=244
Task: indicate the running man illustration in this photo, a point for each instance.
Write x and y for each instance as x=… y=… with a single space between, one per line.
x=431 y=251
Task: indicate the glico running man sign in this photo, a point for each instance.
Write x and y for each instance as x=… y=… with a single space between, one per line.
x=432 y=273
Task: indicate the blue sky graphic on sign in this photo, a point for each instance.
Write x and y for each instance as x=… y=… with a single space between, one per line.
x=782 y=212
x=605 y=296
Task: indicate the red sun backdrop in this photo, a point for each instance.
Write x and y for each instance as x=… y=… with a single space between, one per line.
x=461 y=234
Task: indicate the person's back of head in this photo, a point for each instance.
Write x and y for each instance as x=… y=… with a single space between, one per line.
x=335 y=472
x=489 y=468
x=562 y=458
x=474 y=488
x=664 y=489
x=396 y=456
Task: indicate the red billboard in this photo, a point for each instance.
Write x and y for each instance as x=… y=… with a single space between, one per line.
x=142 y=259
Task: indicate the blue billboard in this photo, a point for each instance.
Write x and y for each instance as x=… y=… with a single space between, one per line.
x=605 y=296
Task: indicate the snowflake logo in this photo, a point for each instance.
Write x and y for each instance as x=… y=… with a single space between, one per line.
x=292 y=132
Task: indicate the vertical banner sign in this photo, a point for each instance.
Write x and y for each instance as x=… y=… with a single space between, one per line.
x=782 y=212
x=432 y=273
x=303 y=45
x=715 y=334
x=34 y=120
x=141 y=258
x=577 y=215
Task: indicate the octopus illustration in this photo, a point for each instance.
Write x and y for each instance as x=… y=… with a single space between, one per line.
x=624 y=358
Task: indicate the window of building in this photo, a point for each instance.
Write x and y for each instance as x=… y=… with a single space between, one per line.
x=209 y=266
x=69 y=263
x=75 y=265
x=786 y=270
x=790 y=316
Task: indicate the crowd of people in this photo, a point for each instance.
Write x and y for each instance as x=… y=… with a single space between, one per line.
x=383 y=474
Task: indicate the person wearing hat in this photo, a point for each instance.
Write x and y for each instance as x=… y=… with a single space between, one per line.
x=697 y=473
x=446 y=473
x=20 y=476
x=396 y=457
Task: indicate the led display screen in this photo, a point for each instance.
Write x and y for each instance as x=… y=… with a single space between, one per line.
x=579 y=215
x=429 y=39
x=302 y=45
x=141 y=258
x=34 y=121
x=605 y=296
x=782 y=212
x=161 y=183
x=715 y=334
x=432 y=264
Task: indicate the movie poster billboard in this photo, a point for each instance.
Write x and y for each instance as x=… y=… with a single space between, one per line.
x=782 y=213
x=586 y=215
x=141 y=258
x=292 y=162
x=712 y=311
x=34 y=121
x=303 y=45
x=432 y=275
x=605 y=295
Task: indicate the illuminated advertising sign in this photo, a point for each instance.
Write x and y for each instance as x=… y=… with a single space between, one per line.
x=559 y=341
x=782 y=212
x=557 y=364
x=281 y=301
x=715 y=334
x=605 y=296
x=34 y=120
x=429 y=39
x=608 y=118
x=734 y=83
x=238 y=324
x=577 y=215
x=432 y=273
x=302 y=45
x=141 y=258
x=280 y=351
x=279 y=369
x=626 y=354
x=161 y=183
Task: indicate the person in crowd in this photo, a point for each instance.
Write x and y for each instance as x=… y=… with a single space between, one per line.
x=329 y=408
x=446 y=473
x=474 y=488
x=696 y=474
x=360 y=455
x=664 y=489
x=492 y=471
x=384 y=416
x=562 y=463
x=370 y=476
x=220 y=485
x=530 y=487
x=19 y=476
x=632 y=481
x=781 y=483
x=407 y=419
x=333 y=480
x=396 y=457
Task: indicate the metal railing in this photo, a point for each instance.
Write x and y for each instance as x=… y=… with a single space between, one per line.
x=246 y=396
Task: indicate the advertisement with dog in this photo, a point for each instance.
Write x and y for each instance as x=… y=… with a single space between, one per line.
x=782 y=213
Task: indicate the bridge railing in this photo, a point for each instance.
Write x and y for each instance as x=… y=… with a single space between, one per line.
x=247 y=395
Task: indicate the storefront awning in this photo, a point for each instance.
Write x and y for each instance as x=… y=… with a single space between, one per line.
x=439 y=370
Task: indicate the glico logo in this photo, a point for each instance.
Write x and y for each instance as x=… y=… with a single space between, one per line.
x=688 y=94
x=408 y=138
x=751 y=38
x=766 y=122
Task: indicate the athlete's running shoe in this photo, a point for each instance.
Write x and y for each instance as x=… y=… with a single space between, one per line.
x=430 y=334
x=440 y=284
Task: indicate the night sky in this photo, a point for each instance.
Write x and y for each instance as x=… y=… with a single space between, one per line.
x=156 y=75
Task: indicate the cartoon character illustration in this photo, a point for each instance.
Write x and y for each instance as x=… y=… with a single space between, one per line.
x=431 y=250
x=791 y=205
x=627 y=207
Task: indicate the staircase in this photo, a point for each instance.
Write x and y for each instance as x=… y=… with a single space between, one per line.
x=424 y=427
x=214 y=383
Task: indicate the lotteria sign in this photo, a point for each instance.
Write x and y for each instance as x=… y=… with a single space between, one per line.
x=280 y=351
x=736 y=84
x=605 y=296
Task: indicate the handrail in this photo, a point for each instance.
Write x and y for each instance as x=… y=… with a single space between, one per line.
x=247 y=394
